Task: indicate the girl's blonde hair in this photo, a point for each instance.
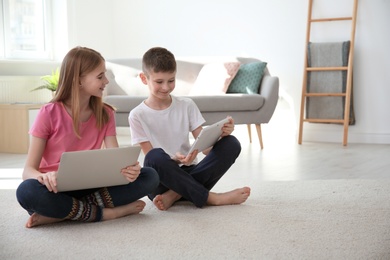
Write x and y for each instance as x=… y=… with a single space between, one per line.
x=78 y=62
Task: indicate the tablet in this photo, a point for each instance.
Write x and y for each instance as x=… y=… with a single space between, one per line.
x=208 y=136
x=95 y=168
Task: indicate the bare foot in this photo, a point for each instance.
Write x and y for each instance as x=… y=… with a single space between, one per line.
x=108 y=213
x=236 y=196
x=165 y=201
x=125 y=210
x=37 y=220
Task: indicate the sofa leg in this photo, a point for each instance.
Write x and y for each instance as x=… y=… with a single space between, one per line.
x=258 y=128
x=249 y=132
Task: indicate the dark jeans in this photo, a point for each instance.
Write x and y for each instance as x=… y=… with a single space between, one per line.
x=83 y=205
x=194 y=182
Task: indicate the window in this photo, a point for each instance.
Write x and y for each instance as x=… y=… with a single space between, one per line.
x=24 y=29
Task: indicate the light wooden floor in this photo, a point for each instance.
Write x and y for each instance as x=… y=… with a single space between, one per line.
x=282 y=159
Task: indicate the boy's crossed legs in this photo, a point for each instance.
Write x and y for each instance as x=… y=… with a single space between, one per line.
x=195 y=182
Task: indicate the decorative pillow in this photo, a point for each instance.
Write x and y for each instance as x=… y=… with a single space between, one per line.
x=124 y=80
x=214 y=78
x=248 y=78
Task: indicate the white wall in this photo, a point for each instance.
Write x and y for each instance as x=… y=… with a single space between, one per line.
x=273 y=31
x=90 y=23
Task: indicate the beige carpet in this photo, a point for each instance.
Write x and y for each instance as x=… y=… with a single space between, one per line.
x=332 y=219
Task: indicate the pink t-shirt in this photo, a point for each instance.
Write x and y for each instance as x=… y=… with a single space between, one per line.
x=54 y=124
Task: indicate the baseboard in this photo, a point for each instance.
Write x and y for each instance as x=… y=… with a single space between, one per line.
x=336 y=135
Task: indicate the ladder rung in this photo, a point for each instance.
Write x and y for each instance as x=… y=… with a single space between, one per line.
x=325 y=94
x=341 y=121
x=326 y=68
x=331 y=19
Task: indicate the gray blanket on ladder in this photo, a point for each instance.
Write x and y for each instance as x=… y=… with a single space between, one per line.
x=327 y=55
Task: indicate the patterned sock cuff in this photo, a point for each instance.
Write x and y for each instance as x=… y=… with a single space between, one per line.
x=86 y=212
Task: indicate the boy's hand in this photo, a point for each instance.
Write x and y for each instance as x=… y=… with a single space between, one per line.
x=131 y=172
x=228 y=128
x=186 y=160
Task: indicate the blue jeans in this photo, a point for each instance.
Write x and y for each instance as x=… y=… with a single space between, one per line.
x=83 y=205
x=193 y=182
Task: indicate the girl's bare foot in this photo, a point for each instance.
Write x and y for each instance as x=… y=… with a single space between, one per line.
x=165 y=201
x=108 y=213
x=236 y=196
x=37 y=220
x=125 y=210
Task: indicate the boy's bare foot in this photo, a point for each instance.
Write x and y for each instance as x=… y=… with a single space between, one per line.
x=165 y=201
x=236 y=196
x=125 y=210
x=37 y=220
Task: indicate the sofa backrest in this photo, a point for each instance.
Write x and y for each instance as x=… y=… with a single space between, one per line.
x=123 y=74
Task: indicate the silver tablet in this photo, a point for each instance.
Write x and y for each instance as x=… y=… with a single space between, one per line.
x=208 y=136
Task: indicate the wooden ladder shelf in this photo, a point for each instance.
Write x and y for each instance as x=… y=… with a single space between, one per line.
x=348 y=90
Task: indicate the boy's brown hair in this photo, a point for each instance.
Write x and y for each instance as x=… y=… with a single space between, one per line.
x=158 y=59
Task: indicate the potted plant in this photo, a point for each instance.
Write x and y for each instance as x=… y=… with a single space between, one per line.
x=51 y=81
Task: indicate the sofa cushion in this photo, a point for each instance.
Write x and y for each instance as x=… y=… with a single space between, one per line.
x=217 y=103
x=124 y=80
x=248 y=78
x=231 y=102
x=124 y=103
x=214 y=78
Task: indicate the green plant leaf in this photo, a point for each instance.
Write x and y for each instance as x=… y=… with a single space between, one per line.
x=51 y=81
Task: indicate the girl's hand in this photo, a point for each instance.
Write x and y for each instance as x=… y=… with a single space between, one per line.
x=49 y=179
x=228 y=128
x=131 y=172
x=186 y=160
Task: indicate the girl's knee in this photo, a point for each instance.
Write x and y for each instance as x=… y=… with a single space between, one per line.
x=26 y=188
x=26 y=191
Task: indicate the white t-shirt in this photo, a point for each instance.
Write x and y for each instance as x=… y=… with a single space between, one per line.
x=167 y=129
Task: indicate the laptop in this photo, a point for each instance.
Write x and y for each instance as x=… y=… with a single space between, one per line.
x=208 y=136
x=95 y=168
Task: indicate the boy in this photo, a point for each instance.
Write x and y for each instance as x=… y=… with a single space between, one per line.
x=161 y=126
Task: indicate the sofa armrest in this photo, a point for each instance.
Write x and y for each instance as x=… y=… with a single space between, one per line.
x=269 y=89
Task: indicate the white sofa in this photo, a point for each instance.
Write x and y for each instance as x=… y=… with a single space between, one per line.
x=125 y=91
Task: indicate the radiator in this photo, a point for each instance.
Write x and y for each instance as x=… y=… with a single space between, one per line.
x=17 y=89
